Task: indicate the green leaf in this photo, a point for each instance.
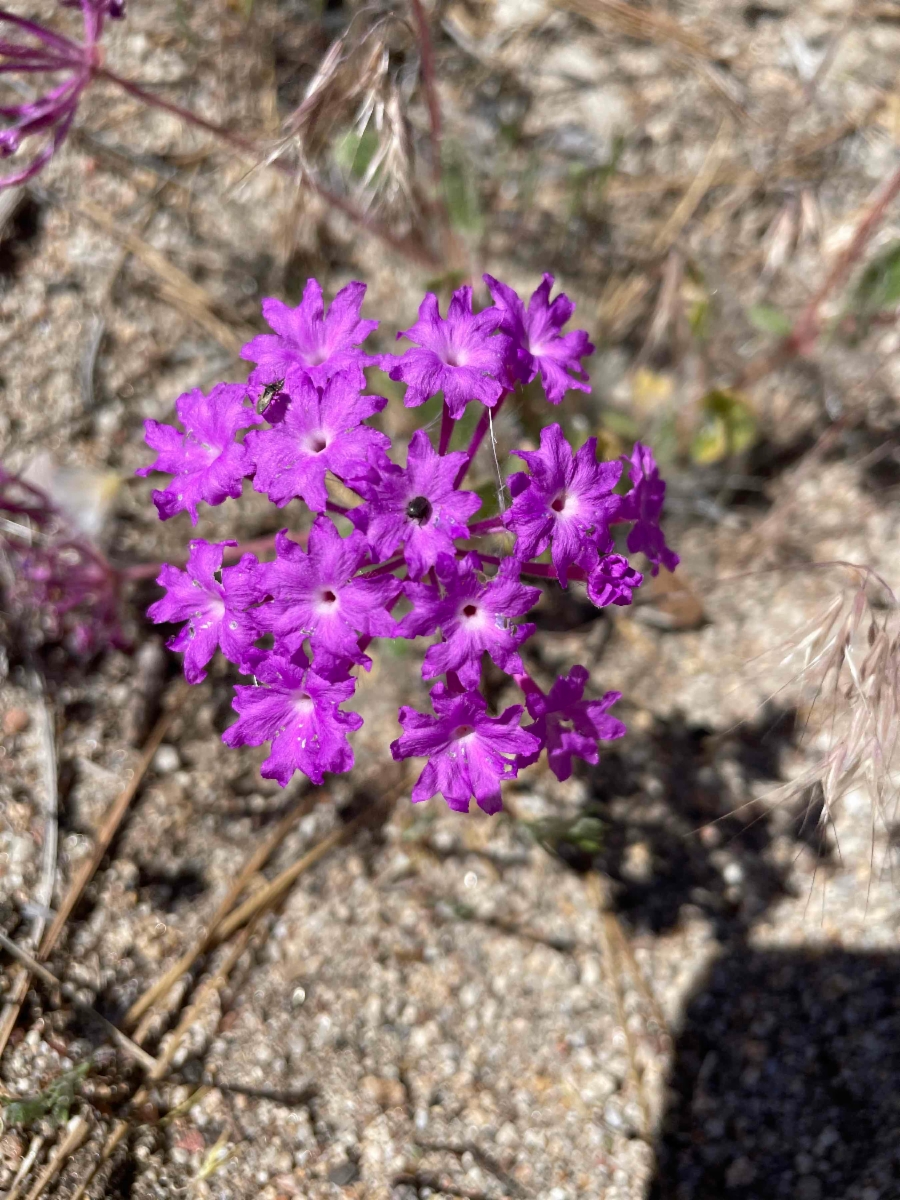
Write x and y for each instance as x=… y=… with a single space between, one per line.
x=879 y=286
x=460 y=192
x=728 y=427
x=767 y=319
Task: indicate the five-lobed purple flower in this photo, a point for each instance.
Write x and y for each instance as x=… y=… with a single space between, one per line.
x=298 y=712
x=473 y=617
x=318 y=596
x=419 y=507
x=461 y=355
x=219 y=614
x=306 y=336
x=540 y=345
x=468 y=752
x=320 y=430
x=567 y=725
x=566 y=502
x=207 y=463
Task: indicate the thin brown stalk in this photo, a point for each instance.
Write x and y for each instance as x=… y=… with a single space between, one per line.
x=410 y=247
x=15 y=1189
x=33 y=967
x=274 y=891
x=260 y=856
x=76 y=1131
x=639 y=23
x=429 y=87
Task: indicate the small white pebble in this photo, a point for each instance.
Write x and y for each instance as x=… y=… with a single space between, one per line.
x=166 y=760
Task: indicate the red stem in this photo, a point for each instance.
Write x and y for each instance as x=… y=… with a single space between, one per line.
x=407 y=246
x=539 y=570
x=481 y=429
x=447 y=424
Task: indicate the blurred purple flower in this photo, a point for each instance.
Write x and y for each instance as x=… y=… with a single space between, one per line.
x=565 y=497
x=305 y=336
x=537 y=336
x=468 y=752
x=40 y=52
x=567 y=725
x=473 y=616
x=612 y=581
x=218 y=614
x=418 y=506
x=298 y=712
x=320 y=431
x=643 y=505
x=55 y=584
x=208 y=464
x=463 y=356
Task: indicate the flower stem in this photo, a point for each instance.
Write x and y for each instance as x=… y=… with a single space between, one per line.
x=447 y=424
x=486 y=526
x=539 y=570
x=484 y=422
x=410 y=247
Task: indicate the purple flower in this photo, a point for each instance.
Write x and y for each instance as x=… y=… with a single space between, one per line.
x=218 y=615
x=418 y=506
x=297 y=711
x=566 y=724
x=463 y=356
x=643 y=505
x=612 y=581
x=305 y=337
x=474 y=617
x=55 y=585
x=48 y=53
x=320 y=431
x=468 y=752
x=315 y=596
x=206 y=461
x=537 y=335
x=561 y=501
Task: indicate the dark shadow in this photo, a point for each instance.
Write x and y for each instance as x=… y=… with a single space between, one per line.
x=673 y=826
x=167 y=889
x=786 y=1081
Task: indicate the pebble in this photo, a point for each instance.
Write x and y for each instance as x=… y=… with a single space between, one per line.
x=15 y=720
x=166 y=760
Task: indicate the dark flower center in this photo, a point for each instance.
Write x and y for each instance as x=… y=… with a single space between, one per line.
x=317 y=443
x=470 y=610
x=559 y=503
x=419 y=509
x=329 y=597
x=462 y=731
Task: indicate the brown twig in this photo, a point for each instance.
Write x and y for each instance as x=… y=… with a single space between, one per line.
x=33 y=967
x=260 y=856
x=76 y=1132
x=409 y=247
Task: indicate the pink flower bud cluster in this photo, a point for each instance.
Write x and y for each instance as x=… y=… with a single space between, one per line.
x=403 y=562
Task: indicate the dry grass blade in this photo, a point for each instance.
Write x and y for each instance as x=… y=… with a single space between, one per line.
x=15 y=1189
x=698 y=188
x=177 y=288
x=113 y=820
x=85 y=873
x=33 y=967
x=76 y=1132
x=260 y=856
x=638 y=23
x=270 y=895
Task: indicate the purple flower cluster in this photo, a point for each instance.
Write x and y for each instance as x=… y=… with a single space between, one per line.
x=37 y=52
x=407 y=559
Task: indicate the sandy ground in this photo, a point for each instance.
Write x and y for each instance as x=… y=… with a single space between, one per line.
x=701 y=999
